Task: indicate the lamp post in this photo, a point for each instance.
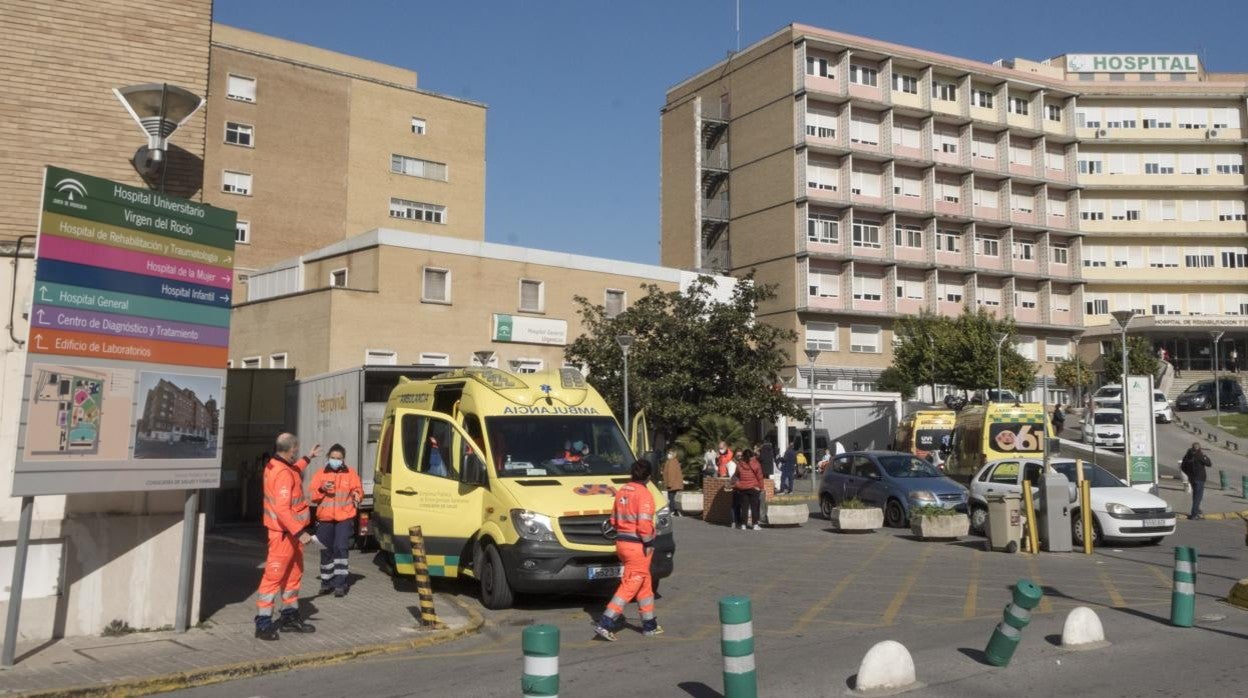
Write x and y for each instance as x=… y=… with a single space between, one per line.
x=813 y=355
x=931 y=341
x=1123 y=317
x=1217 y=385
x=626 y=343
x=1000 y=343
x=159 y=109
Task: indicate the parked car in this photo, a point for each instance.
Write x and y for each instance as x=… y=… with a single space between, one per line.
x=1162 y=412
x=890 y=480
x=1107 y=393
x=1105 y=427
x=1201 y=395
x=993 y=395
x=1118 y=511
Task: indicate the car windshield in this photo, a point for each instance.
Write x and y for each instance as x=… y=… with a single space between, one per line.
x=1108 y=392
x=1099 y=476
x=1197 y=388
x=556 y=445
x=1109 y=418
x=1159 y=397
x=907 y=466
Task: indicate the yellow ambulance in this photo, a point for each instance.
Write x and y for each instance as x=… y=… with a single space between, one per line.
x=996 y=430
x=925 y=431
x=511 y=478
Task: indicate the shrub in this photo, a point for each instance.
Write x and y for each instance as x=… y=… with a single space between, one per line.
x=931 y=510
x=854 y=503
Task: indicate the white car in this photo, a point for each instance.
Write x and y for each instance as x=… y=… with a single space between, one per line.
x=1118 y=511
x=1162 y=412
x=1104 y=427
x=1111 y=396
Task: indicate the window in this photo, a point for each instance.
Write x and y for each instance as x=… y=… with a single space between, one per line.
x=1231 y=210
x=981 y=98
x=949 y=191
x=1053 y=112
x=822 y=227
x=242 y=232
x=865 y=182
x=1163 y=257
x=338 y=278
x=1095 y=255
x=864 y=75
x=1022 y=202
x=1026 y=347
x=1055 y=160
x=1234 y=259
x=236 y=183
x=1057 y=207
x=1194 y=163
x=906 y=135
x=948 y=241
x=532 y=296
x=1020 y=154
x=1229 y=163
x=864 y=339
x=945 y=141
x=985 y=148
x=239 y=134
x=613 y=302
x=1019 y=105
x=908 y=236
x=277 y=360
x=1124 y=163
x=437 y=285
x=822 y=283
x=820 y=123
x=1192 y=118
x=426 y=446
x=251 y=362
x=1124 y=210
x=950 y=292
x=430 y=358
x=905 y=185
x=944 y=91
x=240 y=88
x=988 y=295
x=988 y=245
x=1060 y=302
x=822 y=175
x=1090 y=166
x=1155 y=117
x=1160 y=210
x=868 y=288
x=1199 y=258
x=417 y=211
x=1060 y=254
x=822 y=336
x=1225 y=117
x=523 y=365
x=1092 y=209
x=866 y=233
x=1159 y=163
x=1120 y=117
x=1165 y=304
x=1025 y=251
x=864 y=128
x=1025 y=299
x=905 y=83
x=418 y=126
x=861 y=386
x=1088 y=117
x=415 y=167
x=911 y=288
x=817 y=66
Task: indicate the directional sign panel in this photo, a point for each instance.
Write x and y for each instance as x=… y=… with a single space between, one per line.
x=1141 y=433
x=129 y=337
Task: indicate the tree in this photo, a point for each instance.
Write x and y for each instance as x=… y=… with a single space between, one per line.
x=919 y=342
x=692 y=355
x=896 y=380
x=1140 y=356
x=1074 y=373
x=961 y=352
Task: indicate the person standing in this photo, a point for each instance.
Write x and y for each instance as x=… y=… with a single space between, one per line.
x=724 y=461
x=632 y=518
x=767 y=458
x=673 y=479
x=788 y=466
x=286 y=518
x=1232 y=361
x=336 y=492
x=1059 y=419
x=1195 y=465
x=747 y=491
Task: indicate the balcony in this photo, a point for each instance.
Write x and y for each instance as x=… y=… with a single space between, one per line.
x=823 y=302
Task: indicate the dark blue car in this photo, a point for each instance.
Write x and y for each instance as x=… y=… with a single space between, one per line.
x=891 y=481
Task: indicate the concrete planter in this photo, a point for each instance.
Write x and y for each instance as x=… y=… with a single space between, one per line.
x=689 y=503
x=857 y=519
x=787 y=514
x=950 y=526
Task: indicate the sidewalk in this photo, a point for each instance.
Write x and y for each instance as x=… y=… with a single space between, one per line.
x=379 y=615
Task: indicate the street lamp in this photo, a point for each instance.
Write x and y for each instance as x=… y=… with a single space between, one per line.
x=931 y=341
x=1000 y=343
x=1217 y=385
x=626 y=343
x=813 y=355
x=159 y=109
x=1123 y=317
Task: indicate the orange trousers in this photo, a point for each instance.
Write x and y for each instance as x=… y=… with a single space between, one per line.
x=635 y=582
x=283 y=573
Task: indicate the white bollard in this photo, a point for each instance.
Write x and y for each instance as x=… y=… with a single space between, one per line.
x=1083 y=630
x=888 y=666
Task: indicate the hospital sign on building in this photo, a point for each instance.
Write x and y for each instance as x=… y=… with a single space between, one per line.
x=128 y=343
x=1132 y=63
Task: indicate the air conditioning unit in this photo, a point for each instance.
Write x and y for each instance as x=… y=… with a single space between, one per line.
x=1211 y=133
x=1102 y=133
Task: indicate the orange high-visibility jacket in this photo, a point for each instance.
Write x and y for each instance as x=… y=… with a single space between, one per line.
x=633 y=515
x=285 y=507
x=347 y=494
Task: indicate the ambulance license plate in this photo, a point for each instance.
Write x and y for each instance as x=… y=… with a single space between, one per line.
x=1155 y=523
x=606 y=572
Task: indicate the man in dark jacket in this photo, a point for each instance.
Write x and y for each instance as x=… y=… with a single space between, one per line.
x=788 y=466
x=1195 y=465
x=767 y=458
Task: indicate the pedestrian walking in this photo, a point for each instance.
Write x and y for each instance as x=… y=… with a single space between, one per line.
x=1059 y=419
x=747 y=491
x=788 y=465
x=632 y=518
x=286 y=518
x=673 y=479
x=1195 y=465
x=336 y=492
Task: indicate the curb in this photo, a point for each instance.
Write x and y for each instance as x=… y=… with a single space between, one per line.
x=1222 y=516
x=229 y=672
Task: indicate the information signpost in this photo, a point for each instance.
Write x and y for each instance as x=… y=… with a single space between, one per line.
x=1141 y=432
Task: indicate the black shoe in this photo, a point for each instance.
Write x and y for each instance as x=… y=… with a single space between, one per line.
x=292 y=623
x=269 y=633
x=340 y=592
x=325 y=589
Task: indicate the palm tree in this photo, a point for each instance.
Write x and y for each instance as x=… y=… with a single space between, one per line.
x=706 y=433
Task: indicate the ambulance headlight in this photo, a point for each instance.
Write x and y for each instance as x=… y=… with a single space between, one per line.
x=663 y=520
x=532 y=525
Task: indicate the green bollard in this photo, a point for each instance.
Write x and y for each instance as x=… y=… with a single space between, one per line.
x=541 y=662
x=737 y=644
x=1183 y=598
x=1017 y=616
x=1223 y=480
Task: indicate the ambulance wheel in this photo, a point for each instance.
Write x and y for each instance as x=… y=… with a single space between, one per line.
x=496 y=593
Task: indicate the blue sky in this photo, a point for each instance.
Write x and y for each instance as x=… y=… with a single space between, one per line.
x=574 y=87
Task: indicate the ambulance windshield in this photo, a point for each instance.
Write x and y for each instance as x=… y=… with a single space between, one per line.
x=537 y=446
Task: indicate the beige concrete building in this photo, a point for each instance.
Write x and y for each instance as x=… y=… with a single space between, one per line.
x=393 y=297
x=311 y=146
x=870 y=180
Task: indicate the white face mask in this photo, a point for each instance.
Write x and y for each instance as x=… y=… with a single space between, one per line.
x=723 y=450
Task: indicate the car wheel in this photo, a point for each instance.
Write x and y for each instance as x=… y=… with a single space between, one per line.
x=894 y=514
x=826 y=505
x=496 y=593
x=1076 y=530
x=979 y=518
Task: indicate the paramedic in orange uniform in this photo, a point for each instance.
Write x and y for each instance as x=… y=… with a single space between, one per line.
x=633 y=520
x=286 y=517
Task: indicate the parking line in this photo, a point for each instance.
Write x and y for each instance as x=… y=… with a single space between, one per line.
x=894 y=606
x=1046 y=605
x=1161 y=577
x=1112 y=590
x=819 y=607
x=972 y=588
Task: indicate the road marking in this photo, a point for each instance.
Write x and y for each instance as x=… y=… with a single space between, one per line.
x=1046 y=606
x=1161 y=576
x=814 y=611
x=972 y=589
x=1112 y=590
x=894 y=606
